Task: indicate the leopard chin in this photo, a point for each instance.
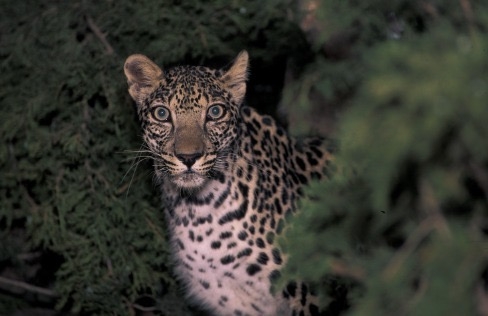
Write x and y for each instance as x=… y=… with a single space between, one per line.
x=189 y=180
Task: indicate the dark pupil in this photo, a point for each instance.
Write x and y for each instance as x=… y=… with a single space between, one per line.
x=215 y=111
x=161 y=113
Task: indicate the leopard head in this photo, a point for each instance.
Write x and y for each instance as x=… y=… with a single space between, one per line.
x=189 y=116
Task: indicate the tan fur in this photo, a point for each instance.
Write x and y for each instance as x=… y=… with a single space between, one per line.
x=235 y=78
x=143 y=76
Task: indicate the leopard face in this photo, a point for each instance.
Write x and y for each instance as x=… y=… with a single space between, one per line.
x=189 y=117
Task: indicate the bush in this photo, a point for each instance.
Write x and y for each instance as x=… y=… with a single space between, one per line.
x=401 y=227
x=79 y=218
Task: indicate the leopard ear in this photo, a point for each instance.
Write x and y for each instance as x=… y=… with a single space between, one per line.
x=143 y=76
x=235 y=78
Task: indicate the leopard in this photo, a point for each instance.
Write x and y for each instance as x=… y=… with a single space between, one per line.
x=229 y=178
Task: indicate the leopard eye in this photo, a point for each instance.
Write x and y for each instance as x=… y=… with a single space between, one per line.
x=161 y=113
x=215 y=112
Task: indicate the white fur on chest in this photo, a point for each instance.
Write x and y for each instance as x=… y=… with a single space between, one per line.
x=212 y=258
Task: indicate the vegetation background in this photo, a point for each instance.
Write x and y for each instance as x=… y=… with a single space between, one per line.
x=400 y=227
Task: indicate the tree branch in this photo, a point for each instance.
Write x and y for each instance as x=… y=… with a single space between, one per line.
x=98 y=33
x=27 y=287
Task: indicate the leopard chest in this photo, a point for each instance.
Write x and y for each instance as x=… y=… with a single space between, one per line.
x=224 y=248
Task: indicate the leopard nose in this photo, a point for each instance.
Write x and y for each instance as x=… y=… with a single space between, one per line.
x=189 y=159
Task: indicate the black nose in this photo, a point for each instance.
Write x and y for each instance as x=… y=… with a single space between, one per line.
x=189 y=159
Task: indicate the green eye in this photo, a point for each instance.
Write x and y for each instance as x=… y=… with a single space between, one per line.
x=215 y=112
x=161 y=113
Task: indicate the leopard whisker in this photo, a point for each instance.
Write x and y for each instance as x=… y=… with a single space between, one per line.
x=135 y=164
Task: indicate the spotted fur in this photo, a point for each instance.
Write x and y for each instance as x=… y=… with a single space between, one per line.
x=229 y=177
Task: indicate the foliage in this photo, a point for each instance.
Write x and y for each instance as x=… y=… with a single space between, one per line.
x=401 y=226
x=77 y=215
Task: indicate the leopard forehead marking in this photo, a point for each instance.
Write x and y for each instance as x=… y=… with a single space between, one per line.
x=190 y=89
x=236 y=194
